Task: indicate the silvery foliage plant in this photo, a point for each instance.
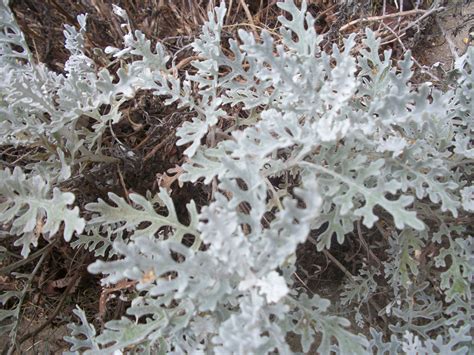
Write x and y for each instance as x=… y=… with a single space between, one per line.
x=355 y=137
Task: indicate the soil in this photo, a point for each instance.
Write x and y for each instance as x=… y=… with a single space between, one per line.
x=446 y=37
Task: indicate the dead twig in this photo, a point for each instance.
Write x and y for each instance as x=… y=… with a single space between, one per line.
x=338 y=264
x=186 y=61
x=229 y=9
x=397 y=37
x=250 y=19
x=62 y=11
x=13 y=334
x=122 y=183
x=30 y=258
x=158 y=147
x=73 y=282
x=414 y=23
x=370 y=253
x=303 y=283
x=351 y=277
x=381 y=18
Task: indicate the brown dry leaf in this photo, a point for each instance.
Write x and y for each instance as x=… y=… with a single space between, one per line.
x=148 y=277
x=165 y=180
x=6 y=284
x=417 y=255
x=39 y=227
x=104 y=295
x=53 y=286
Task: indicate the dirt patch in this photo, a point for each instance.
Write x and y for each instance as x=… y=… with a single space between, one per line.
x=446 y=37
